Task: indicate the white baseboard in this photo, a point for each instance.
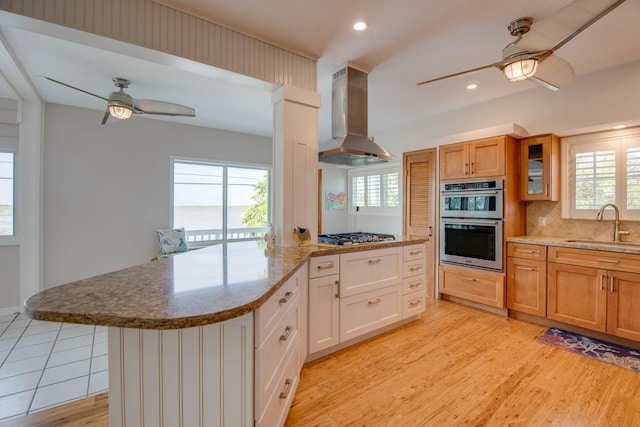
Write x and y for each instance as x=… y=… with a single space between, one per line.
x=10 y=310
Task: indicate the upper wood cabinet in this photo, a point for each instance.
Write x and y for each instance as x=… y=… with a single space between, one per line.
x=474 y=159
x=540 y=165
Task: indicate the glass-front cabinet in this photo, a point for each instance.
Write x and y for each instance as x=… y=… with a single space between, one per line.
x=540 y=168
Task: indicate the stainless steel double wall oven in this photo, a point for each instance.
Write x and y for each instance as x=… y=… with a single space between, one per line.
x=471 y=223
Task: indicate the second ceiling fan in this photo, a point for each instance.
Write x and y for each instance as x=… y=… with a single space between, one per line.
x=539 y=66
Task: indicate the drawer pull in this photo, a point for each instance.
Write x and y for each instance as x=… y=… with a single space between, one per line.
x=610 y=261
x=525 y=251
x=415 y=252
x=375 y=261
x=415 y=285
x=322 y=267
x=526 y=268
x=469 y=279
x=287 y=332
x=412 y=269
x=286 y=297
x=375 y=301
x=414 y=303
x=287 y=389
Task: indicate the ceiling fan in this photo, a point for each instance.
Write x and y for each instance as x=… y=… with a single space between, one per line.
x=121 y=105
x=538 y=66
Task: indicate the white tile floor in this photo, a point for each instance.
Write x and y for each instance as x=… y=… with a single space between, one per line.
x=43 y=364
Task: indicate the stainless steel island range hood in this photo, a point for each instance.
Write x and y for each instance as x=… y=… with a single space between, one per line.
x=349 y=145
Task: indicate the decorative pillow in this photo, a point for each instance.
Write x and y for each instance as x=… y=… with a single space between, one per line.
x=172 y=240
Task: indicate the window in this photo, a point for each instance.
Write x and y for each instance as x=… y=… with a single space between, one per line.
x=375 y=191
x=7 y=196
x=218 y=202
x=602 y=168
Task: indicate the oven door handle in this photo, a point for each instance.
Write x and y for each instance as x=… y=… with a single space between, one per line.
x=469 y=221
x=470 y=193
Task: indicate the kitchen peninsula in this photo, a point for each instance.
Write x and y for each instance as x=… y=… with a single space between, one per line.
x=215 y=336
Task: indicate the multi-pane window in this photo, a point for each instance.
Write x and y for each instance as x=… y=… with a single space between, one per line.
x=603 y=168
x=7 y=195
x=375 y=190
x=218 y=202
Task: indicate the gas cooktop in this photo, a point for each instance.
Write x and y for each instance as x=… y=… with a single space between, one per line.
x=354 y=238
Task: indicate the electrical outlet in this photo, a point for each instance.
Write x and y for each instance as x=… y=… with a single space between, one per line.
x=542 y=221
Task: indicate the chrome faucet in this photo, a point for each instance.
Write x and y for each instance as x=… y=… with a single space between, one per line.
x=616 y=227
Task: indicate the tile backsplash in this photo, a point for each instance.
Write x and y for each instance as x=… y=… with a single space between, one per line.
x=556 y=226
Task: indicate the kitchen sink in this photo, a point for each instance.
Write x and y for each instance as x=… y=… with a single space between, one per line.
x=603 y=242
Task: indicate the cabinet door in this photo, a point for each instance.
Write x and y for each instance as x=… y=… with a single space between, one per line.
x=323 y=313
x=454 y=161
x=419 y=205
x=484 y=287
x=577 y=295
x=540 y=165
x=623 y=302
x=487 y=157
x=527 y=286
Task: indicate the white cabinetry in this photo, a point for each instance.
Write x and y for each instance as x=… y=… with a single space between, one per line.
x=324 y=282
x=278 y=360
x=414 y=277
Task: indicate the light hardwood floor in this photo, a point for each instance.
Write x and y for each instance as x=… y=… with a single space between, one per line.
x=454 y=366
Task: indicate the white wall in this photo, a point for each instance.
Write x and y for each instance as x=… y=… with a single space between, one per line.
x=333 y=179
x=107 y=188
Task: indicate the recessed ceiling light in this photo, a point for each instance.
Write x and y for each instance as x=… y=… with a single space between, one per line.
x=472 y=86
x=619 y=126
x=360 y=25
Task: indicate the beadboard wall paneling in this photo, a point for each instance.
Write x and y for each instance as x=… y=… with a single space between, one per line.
x=152 y=25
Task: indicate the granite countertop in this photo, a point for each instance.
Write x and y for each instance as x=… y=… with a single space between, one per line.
x=578 y=243
x=195 y=288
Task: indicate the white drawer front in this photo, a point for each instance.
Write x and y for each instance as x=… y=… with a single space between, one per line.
x=413 y=284
x=278 y=403
x=368 y=270
x=413 y=303
x=369 y=311
x=412 y=252
x=269 y=314
x=284 y=339
x=324 y=266
x=414 y=268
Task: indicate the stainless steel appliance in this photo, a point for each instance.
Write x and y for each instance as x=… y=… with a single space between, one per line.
x=471 y=224
x=353 y=238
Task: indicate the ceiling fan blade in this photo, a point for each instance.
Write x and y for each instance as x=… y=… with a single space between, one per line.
x=150 y=106
x=473 y=70
x=584 y=26
x=554 y=73
x=106 y=117
x=73 y=87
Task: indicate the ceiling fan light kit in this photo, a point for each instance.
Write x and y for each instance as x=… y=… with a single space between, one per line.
x=521 y=70
x=120 y=111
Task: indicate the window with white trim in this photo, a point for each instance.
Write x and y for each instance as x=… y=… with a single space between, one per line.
x=602 y=168
x=218 y=202
x=7 y=196
x=375 y=190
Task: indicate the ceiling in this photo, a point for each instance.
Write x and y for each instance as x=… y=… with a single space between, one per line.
x=407 y=42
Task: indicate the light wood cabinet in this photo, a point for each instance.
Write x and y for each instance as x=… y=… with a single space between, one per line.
x=595 y=289
x=474 y=159
x=481 y=286
x=419 y=171
x=540 y=166
x=527 y=278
